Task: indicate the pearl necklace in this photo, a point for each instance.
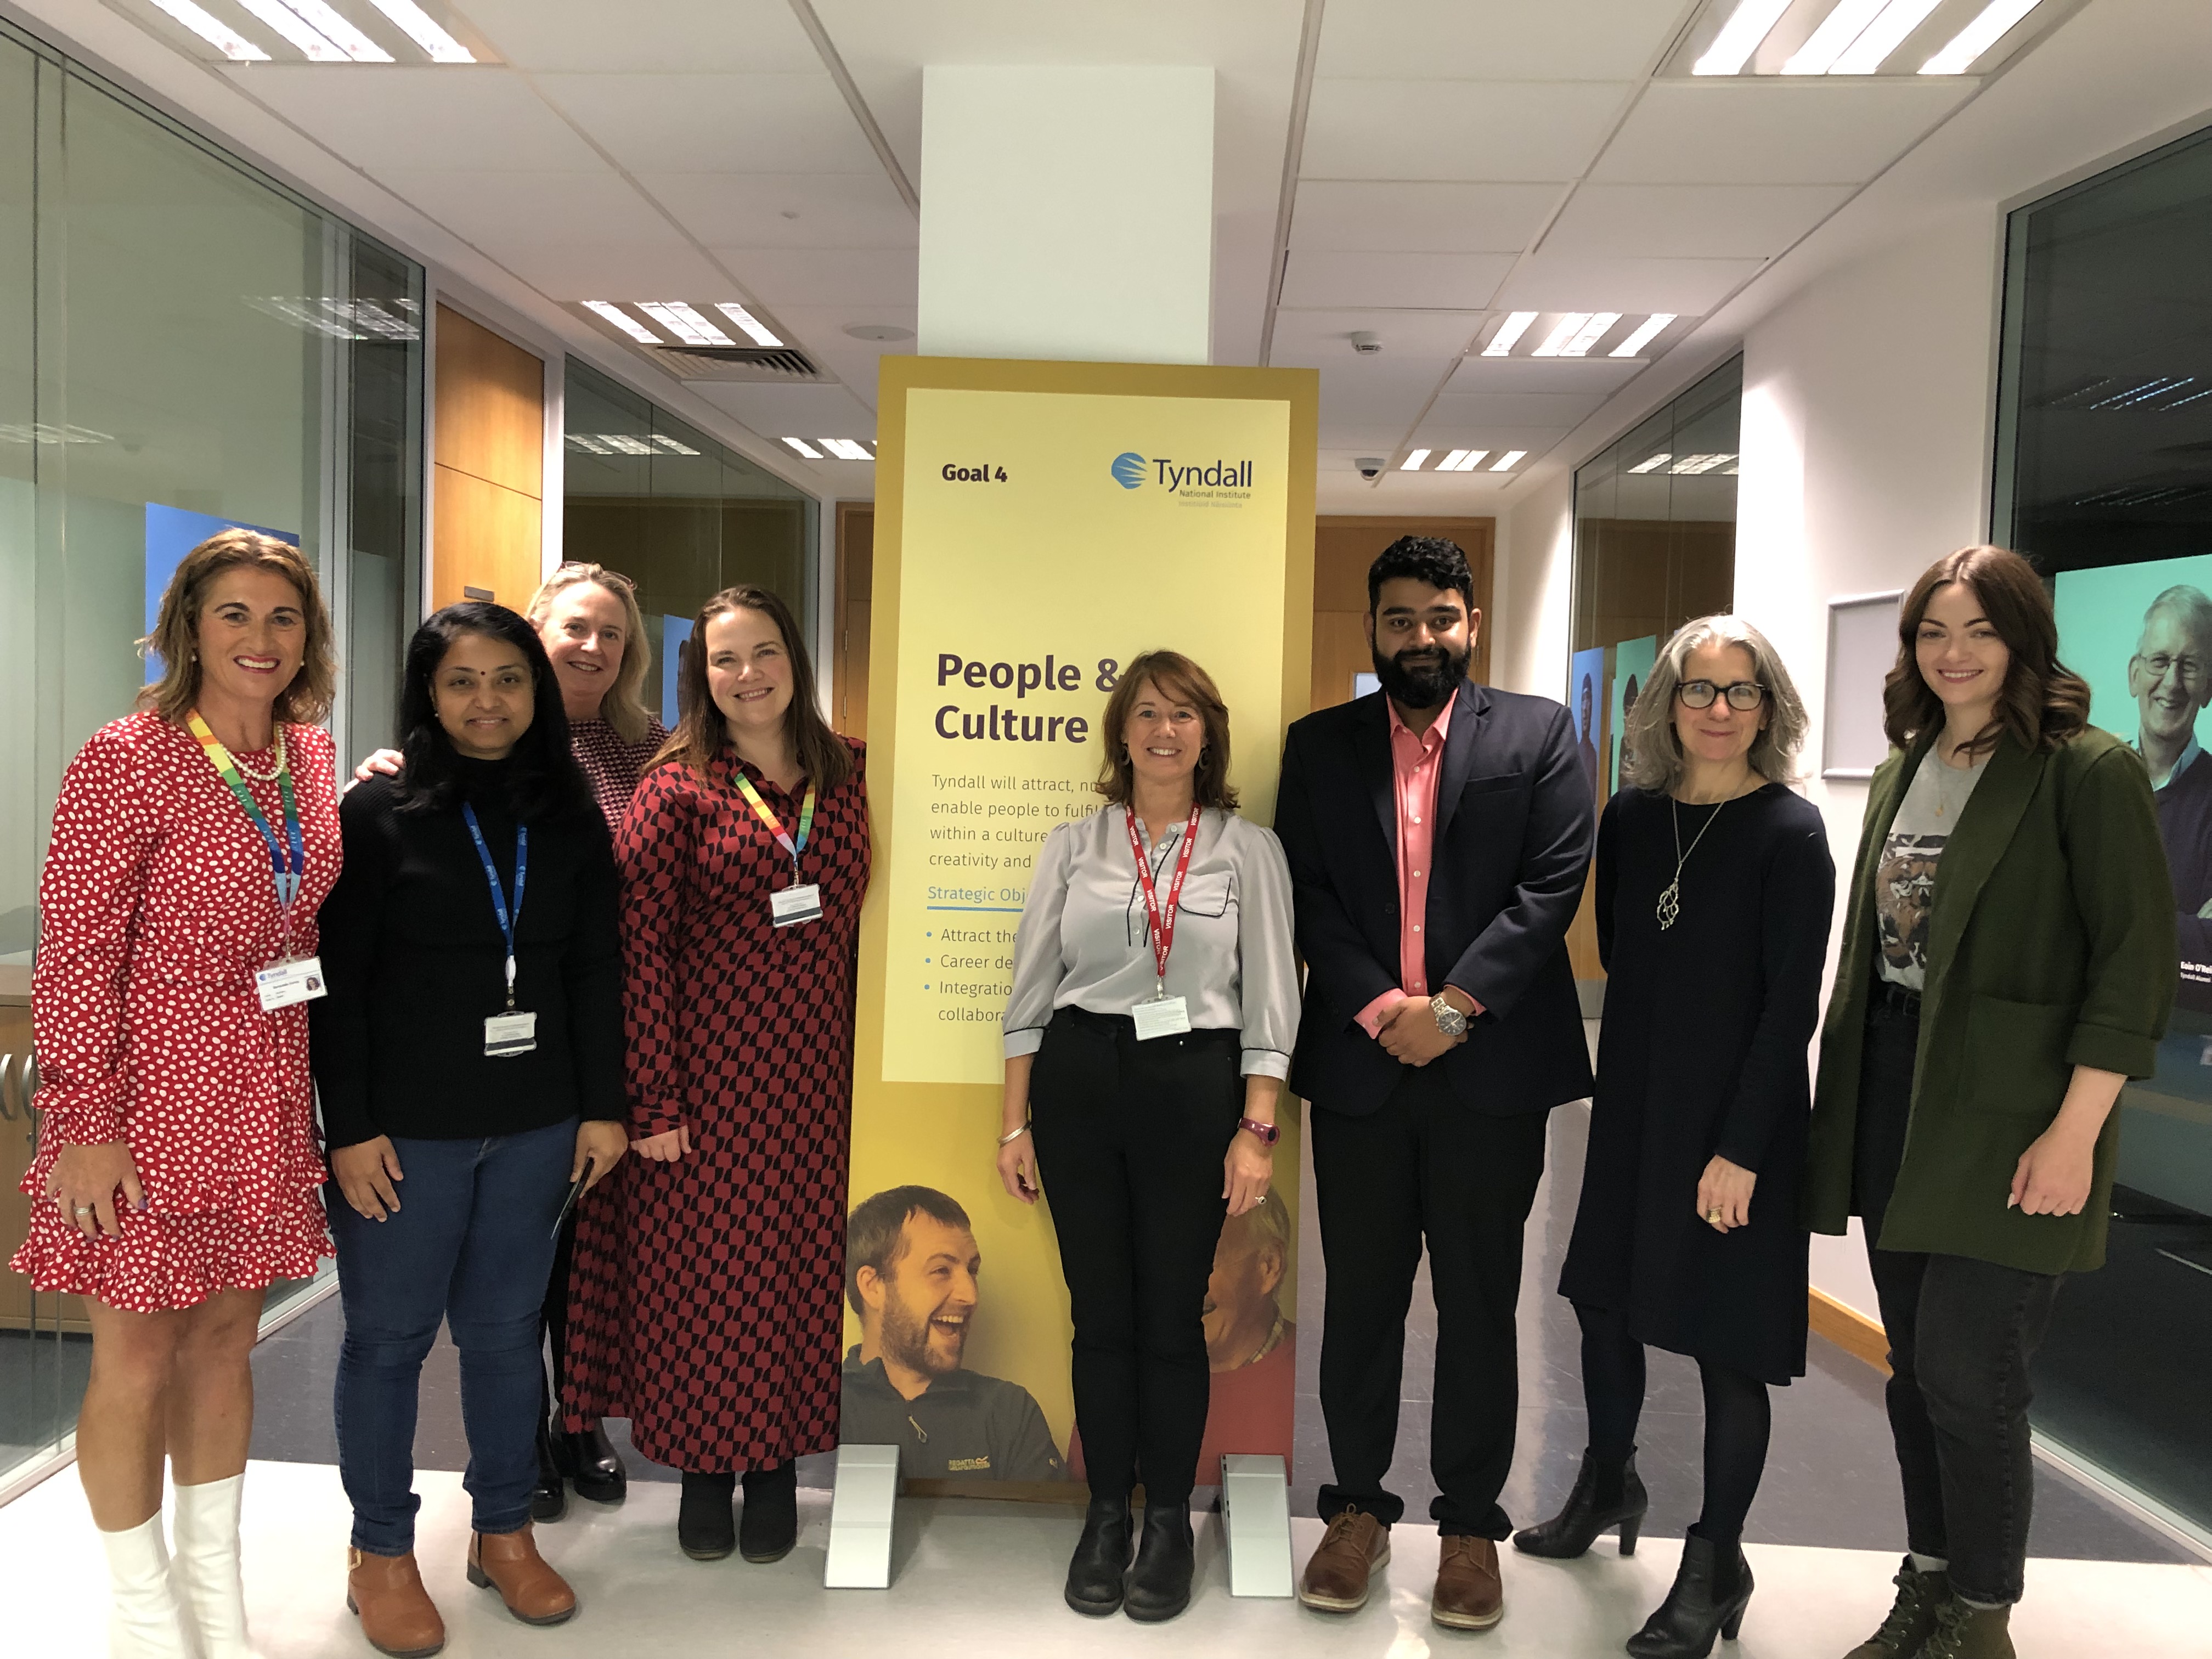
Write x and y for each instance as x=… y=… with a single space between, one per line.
x=275 y=772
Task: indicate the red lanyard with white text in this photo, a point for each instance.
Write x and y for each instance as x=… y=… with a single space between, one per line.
x=1163 y=919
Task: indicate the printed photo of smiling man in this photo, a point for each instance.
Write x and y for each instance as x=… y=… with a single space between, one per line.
x=912 y=1273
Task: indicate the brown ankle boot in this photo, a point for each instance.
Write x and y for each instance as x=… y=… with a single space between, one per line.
x=509 y=1563
x=397 y=1613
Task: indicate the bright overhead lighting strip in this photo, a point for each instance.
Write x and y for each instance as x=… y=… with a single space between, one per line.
x=804 y=448
x=622 y=320
x=219 y=35
x=662 y=440
x=1413 y=462
x=1751 y=22
x=761 y=334
x=1644 y=333
x=1652 y=463
x=1996 y=22
x=1451 y=460
x=845 y=449
x=416 y=24
x=1467 y=462
x=1826 y=43
x=1509 y=334
x=294 y=28
x=1568 y=327
x=1505 y=463
x=340 y=31
x=1590 y=334
x=1883 y=36
x=680 y=319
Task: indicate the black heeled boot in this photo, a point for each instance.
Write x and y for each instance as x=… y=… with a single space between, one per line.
x=1604 y=1495
x=706 y=1525
x=548 y=1498
x=1712 y=1587
x=1157 y=1586
x=591 y=1460
x=771 y=1525
x=1101 y=1556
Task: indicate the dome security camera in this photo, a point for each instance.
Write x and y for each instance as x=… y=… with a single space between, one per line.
x=1370 y=466
x=1366 y=344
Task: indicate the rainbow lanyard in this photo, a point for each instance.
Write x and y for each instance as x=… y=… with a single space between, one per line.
x=767 y=815
x=286 y=871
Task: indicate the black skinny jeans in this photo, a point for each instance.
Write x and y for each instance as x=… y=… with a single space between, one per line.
x=1130 y=1137
x=1961 y=1333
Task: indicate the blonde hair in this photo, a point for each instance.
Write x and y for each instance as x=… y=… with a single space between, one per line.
x=175 y=639
x=623 y=705
x=1654 y=758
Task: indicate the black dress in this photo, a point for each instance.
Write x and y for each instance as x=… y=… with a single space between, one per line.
x=1707 y=1028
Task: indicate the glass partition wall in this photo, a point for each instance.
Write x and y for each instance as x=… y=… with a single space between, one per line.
x=183 y=345
x=2104 y=477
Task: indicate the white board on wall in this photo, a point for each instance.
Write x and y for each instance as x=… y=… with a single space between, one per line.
x=1862 y=648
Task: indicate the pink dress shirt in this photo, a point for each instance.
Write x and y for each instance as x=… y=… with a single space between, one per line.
x=1417 y=761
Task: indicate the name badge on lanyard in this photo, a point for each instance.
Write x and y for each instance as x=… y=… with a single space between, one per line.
x=289 y=979
x=801 y=901
x=1159 y=1014
x=514 y=1031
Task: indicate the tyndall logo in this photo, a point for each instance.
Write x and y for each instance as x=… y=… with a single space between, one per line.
x=1225 y=478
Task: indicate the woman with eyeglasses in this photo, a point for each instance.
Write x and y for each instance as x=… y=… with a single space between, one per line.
x=1714 y=891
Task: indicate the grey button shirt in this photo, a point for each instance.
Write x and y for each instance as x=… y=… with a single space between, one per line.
x=1086 y=940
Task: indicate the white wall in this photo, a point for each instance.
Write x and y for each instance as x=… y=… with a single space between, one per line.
x=1532 y=592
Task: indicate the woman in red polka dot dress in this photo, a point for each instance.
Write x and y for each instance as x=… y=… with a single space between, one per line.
x=178 y=1167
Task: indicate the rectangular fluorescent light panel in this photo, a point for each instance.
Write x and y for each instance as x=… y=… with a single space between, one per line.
x=1825 y=44
x=584 y=444
x=623 y=444
x=1652 y=463
x=845 y=449
x=685 y=323
x=1590 y=334
x=804 y=448
x=1451 y=460
x=1646 y=332
x=1568 y=327
x=1509 y=334
x=1505 y=463
x=289 y=24
x=1977 y=37
x=219 y=35
x=415 y=23
x=1750 y=23
x=340 y=31
x=622 y=320
x=1883 y=36
x=1413 y=462
x=662 y=440
x=1466 y=462
x=761 y=335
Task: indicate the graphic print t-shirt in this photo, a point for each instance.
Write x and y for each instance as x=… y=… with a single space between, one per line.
x=1904 y=882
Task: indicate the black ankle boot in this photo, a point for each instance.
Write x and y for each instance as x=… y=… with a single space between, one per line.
x=1101 y=1556
x=1604 y=1495
x=1711 y=1589
x=591 y=1460
x=706 y=1526
x=1159 y=1584
x=548 y=1498
x=771 y=1525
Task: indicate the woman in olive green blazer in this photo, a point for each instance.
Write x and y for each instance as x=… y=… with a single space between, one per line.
x=2009 y=961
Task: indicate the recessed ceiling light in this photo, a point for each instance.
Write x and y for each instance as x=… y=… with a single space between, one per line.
x=1646 y=332
x=294 y=28
x=585 y=444
x=1590 y=334
x=685 y=323
x=219 y=35
x=340 y=31
x=623 y=443
x=845 y=449
x=1509 y=334
x=1505 y=463
x=416 y=24
x=664 y=441
x=622 y=320
x=759 y=333
x=1825 y=44
x=1653 y=463
x=1750 y=23
x=1994 y=22
x=1567 y=328
x=1413 y=462
x=1691 y=465
x=804 y=448
x=1451 y=460
x=1883 y=36
x=1467 y=462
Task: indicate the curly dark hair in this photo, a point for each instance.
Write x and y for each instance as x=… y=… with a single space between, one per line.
x=2043 y=704
x=546 y=780
x=1429 y=559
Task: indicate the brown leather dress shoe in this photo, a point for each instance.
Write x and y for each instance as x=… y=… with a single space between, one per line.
x=1337 y=1573
x=509 y=1563
x=1470 y=1596
x=397 y=1613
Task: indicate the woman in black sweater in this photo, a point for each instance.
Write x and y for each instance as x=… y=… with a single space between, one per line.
x=470 y=1060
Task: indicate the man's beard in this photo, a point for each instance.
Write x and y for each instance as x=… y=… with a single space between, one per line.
x=1425 y=683
x=906 y=1340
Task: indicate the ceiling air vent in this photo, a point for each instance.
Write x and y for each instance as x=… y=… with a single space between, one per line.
x=781 y=363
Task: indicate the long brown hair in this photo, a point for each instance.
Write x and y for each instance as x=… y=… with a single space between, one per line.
x=700 y=734
x=2043 y=702
x=176 y=635
x=1176 y=676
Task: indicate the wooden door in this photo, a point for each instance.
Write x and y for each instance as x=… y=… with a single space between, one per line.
x=856 y=575
x=1343 y=548
x=487 y=534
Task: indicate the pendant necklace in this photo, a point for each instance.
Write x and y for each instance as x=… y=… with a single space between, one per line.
x=1670 y=901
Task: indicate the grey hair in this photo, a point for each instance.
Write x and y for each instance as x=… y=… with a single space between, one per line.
x=2190 y=605
x=1653 y=759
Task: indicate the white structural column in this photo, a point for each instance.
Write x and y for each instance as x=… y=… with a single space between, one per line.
x=1067 y=212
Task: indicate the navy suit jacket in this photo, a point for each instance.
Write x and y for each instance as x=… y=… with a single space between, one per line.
x=1512 y=845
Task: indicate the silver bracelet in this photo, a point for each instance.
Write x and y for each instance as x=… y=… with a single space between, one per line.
x=1009 y=1139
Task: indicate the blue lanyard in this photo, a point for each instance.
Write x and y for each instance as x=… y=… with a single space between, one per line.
x=508 y=915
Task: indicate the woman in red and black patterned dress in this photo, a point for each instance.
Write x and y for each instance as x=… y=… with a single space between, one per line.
x=177 y=1169
x=720 y=1339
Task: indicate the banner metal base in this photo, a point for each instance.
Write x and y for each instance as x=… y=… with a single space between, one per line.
x=1255 y=1515
x=861 y=1508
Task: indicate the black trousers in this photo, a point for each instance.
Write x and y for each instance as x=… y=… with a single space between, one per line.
x=1961 y=1335
x=1130 y=1139
x=1425 y=1166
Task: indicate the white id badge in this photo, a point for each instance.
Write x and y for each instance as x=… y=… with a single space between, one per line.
x=283 y=983
x=796 y=904
x=1161 y=1017
x=509 y=1034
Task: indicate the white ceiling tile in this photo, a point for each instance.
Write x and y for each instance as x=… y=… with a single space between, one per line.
x=1318 y=337
x=493 y=208
x=827 y=276
x=716 y=123
x=1690 y=222
x=1792 y=131
x=610 y=269
x=805 y=209
x=1458 y=410
x=1581 y=375
x=671 y=36
x=1424 y=217
x=800 y=411
x=1561 y=282
x=1440 y=281
x=1378 y=392
x=1457 y=130
x=485 y=118
x=1501 y=40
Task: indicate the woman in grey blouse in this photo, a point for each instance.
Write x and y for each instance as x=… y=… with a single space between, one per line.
x=1154 y=1008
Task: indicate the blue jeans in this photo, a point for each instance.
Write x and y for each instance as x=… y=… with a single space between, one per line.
x=470 y=1244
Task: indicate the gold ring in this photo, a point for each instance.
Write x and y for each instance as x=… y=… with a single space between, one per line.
x=1713 y=1216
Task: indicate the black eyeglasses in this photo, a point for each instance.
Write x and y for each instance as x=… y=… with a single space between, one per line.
x=1743 y=695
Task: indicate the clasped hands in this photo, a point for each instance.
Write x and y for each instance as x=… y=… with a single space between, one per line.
x=1409 y=1033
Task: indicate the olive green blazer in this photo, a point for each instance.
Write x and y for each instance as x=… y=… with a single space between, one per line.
x=2051 y=944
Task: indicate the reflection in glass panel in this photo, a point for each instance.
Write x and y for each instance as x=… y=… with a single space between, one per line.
x=2104 y=474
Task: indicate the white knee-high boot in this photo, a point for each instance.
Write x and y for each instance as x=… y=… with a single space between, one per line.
x=143 y=1618
x=210 y=1589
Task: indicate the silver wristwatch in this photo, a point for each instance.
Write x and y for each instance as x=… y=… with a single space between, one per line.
x=1450 y=1020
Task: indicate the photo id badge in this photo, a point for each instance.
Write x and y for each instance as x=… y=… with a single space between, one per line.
x=509 y=1034
x=1161 y=1017
x=796 y=904
x=283 y=983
